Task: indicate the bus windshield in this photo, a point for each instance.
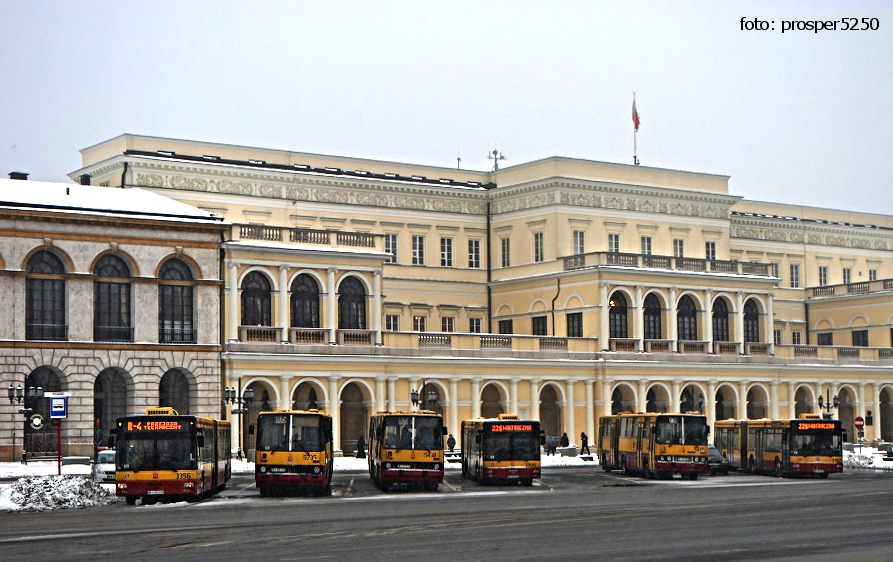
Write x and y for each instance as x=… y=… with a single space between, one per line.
x=815 y=443
x=413 y=432
x=156 y=452
x=511 y=446
x=284 y=432
x=681 y=430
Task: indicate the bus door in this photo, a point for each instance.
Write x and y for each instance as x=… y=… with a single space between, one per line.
x=755 y=444
x=645 y=445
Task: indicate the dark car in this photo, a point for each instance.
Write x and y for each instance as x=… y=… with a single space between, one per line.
x=717 y=463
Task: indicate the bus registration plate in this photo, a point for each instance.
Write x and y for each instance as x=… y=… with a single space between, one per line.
x=513 y=476
x=155 y=492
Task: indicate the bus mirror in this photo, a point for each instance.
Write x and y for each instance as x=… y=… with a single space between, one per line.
x=111 y=439
x=200 y=439
x=708 y=430
x=443 y=427
x=251 y=429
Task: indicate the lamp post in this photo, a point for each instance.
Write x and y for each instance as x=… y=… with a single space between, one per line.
x=419 y=399
x=18 y=395
x=827 y=405
x=242 y=400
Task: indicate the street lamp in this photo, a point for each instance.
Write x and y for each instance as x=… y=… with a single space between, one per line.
x=18 y=395
x=419 y=398
x=827 y=405
x=242 y=400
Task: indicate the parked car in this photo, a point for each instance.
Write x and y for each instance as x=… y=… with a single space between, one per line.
x=104 y=466
x=717 y=463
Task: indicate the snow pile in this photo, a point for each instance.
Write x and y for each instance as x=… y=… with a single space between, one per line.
x=47 y=493
x=858 y=461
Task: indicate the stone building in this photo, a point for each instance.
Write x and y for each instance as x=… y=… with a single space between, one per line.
x=111 y=297
x=559 y=289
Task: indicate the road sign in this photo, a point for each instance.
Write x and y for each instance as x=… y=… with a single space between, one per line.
x=58 y=407
x=859 y=422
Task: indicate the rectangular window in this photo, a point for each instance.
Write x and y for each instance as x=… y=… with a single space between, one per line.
x=710 y=250
x=823 y=275
x=872 y=275
x=447 y=324
x=795 y=275
x=796 y=338
x=446 y=252
x=579 y=242
x=474 y=254
x=474 y=325
x=847 y=276
x=419 y=323
x=614 y=243
x=773 y=269
x=392 y=322
x=540 y=326
x=826 y=338
x=418 y=249
x=390 y=246
x=505 y=248
x=777 y=334
x=538 y=247
x=575 y=325
x=679 y=248
x=860 y=338
x=505 y=327
x=646 y=245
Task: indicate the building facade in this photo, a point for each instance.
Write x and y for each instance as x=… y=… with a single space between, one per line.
x=559 y=289
x=111 y=297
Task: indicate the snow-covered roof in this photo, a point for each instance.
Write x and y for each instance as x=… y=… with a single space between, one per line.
x=81 y=199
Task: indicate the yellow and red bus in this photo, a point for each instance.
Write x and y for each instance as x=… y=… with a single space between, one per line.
x=162 y=454
x=501 y=450
x=786 y=447
x=659 y=445
x=293 y=452
x=406 y=449
x=607 y=449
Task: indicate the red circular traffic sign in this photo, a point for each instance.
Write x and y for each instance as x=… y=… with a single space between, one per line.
x=859 y=422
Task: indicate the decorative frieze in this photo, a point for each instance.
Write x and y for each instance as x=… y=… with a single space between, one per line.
x=817 y=239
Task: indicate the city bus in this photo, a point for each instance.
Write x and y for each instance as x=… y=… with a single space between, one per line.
x=406 y=449
x=501 y=450
x=786 y=447
x=606 y=447
x=165 y=455
x=293 y=452
x=657 y=445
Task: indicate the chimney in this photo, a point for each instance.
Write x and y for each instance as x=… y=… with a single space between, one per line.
x=18 y=176
x=85 y=179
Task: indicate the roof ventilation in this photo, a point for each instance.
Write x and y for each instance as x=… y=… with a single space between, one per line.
x=18 y=176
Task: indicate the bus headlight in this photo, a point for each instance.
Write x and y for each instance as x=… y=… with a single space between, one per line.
x=263 y=469
x=436 y=466
x=387 y=466
x=315 y=470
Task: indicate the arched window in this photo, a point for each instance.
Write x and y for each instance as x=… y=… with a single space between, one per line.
x=256 y=307
x=111 y=300
x=351 y=305
x=687 y=319
x=175 y=303
x=173 y=392
x=751 y=321
x=304 y=302
x=618 y=316
x=720 y=320
x=653 y=327
x=45 y=298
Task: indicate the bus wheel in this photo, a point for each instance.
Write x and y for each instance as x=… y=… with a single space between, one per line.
x=264 y=492
x=527 y=482
x=131 y=500
x=778 y=471
x=692 y=475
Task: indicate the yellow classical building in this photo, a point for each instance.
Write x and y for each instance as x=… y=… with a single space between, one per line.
x=560 y=289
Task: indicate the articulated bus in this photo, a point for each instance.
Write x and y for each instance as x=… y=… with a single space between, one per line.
x=163 y=454
x=806 y=446
x=606 y=448
x=658 y=445
x=406 y=449
x=293 y=452
x=502 y=450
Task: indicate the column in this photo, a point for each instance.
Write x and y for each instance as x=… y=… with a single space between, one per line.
x=284 y=394
x=818 y=392
x=392 y=394
x=674 y=326
x=675 y=399
x=335 y=411
x=376 y=306
x=475 y=398
x=454 y=407
x=742 y=400
x=535 y=399
x=590 y=410
x=640 y=319
x=604 y=336
x=876 y=411
x=606 y=397
x=283 y=302
x=379 y=394
x=739 y=321
x=773 y=400
x=331 y=305
x=770 y=323
x=569 y=412
x=792 y=401
x=641 y=396
x=861 y=408
x=513 y=396
x=708 y=320
x=710 y=403
x=233 y=334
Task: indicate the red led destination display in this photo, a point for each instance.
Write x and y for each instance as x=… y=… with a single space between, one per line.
x=803 y=426
x=500 y=427
x=154 y=425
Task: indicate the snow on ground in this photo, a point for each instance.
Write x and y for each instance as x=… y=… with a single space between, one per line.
x=47 y=493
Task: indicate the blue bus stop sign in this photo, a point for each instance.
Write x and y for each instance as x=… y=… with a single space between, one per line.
x=58 y=407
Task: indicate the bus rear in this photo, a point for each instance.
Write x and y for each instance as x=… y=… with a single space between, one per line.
x=293 y=452
x=406 y=449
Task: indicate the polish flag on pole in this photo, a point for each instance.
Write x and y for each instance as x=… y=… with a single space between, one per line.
x=635 y=114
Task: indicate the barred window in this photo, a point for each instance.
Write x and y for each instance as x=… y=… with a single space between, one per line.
x=256 y=300
x=751 y=321
x=304 y=302
x=618 y=316
x=111 y=301
x=653 y=328
x=45 y=297
x=175 y=303
x=687 y=319
x=720 y=320
x=352 y=305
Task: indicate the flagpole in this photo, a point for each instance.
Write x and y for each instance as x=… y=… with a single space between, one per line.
x=635 y=132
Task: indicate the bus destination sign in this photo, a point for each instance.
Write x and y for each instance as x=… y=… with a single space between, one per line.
x=500 y=427
x=803 y=426
x=154 y=425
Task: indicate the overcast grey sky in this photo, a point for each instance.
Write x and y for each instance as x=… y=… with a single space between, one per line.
x=795 y=117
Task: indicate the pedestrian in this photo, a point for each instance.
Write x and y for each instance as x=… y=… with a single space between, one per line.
x=584 y=443
x=451 y=442
x=361 y=448
x=565 y=442
x=550 y=445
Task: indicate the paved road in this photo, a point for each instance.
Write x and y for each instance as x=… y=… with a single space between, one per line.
x=572 y=514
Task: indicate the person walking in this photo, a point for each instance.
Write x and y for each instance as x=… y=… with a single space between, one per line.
x=550 y=445
x=451 y=442
x=584 y=444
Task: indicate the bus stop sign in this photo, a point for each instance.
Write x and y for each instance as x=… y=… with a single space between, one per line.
x=859 y=422
x=58 y=407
